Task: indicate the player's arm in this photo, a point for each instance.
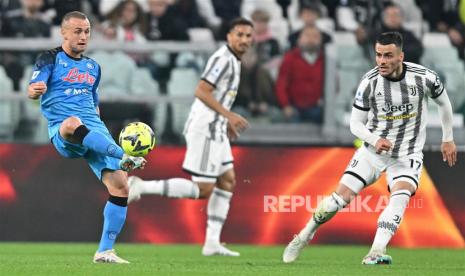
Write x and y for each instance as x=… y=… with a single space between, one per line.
x=95 y=91
x=359 y=118
x=215 y=71
x=439 y=95
x=40 y=74
x=236 y=122
x=448 y=148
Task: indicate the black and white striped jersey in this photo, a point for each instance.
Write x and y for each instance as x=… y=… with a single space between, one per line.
x=223 y=72
x=397 y=109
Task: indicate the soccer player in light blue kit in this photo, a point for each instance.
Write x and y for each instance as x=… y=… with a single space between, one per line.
x=66 y=83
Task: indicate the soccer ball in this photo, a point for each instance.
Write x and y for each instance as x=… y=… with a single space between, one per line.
x=137 y=139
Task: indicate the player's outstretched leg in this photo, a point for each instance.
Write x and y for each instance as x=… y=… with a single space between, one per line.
x=217 y=212
x=173 y=188
x=74 y=131
x=114 y=215
x=388 y=222
x=326 y=209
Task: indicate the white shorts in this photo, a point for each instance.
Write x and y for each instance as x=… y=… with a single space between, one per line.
x=366 y=167
x=205 y=158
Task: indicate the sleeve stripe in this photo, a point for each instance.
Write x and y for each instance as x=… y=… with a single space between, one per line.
x=211 y=67
x=207 y=81
x=439 y=94
x=362 y=108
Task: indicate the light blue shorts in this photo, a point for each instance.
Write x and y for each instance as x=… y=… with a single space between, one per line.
x=97 y=162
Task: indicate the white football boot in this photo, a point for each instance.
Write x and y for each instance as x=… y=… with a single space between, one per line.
x=377 y=258
x=210 y=249
x=134 y=192
x=129 y=163
x=293 y=249
x=108 y=256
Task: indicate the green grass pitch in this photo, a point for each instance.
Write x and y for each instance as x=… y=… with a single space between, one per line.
x=75 y=259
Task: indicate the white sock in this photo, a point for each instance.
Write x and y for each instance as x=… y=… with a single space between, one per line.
x=389 y=220
x=217 y=211
x=174 y=188
x=327 y=208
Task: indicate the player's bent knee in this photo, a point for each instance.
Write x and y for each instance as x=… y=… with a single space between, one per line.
x=70 y=124
x=205 y=190
x=116 y=182
x=404 y=185
x=346 y=192
x=227 y=181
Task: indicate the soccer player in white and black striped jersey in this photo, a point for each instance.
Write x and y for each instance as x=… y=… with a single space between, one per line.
x=207 y=131
x=389 y=114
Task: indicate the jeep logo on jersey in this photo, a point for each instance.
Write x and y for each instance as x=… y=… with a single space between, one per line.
x=75 y=76
x=402 y=107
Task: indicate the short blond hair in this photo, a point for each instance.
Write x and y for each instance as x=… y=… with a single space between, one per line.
x=260 y=16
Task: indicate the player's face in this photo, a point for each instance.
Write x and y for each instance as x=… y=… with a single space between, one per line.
x=389 y=59
x=240 y=38
x=76 y=34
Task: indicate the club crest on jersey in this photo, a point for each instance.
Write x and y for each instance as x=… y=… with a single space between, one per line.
x=74 y=76
x=413 y=90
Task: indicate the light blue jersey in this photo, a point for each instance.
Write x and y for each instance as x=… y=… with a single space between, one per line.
x=72 y=86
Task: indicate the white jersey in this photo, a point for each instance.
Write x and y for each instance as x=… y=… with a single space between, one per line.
x=223 y=72
x=398 y=108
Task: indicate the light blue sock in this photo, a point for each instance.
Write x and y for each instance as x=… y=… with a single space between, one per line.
x=100 y=143
x=114 y=218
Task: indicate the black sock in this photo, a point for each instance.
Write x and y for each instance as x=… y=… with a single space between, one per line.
x=80 y=132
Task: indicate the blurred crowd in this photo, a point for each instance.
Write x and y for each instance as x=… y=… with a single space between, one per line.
x=283 y=74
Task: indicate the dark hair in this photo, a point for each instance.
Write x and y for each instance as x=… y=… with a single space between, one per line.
x=239 y=21
x=73 y=14
x=310 y=6
x=391 y=38
x=140 y=21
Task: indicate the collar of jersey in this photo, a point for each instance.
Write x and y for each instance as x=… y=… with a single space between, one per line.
x=402 y=75
x=232 y=52
x=73 y=58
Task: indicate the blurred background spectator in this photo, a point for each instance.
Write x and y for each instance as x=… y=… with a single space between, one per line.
x=300 y=81
x=129 y=21
x=309 y=13
x=270 y=80
x=392 y=22
x=266 y=45
x=56 y=9
x=164 y=23
x=360 y=16
x=24 y=22
x=256 y=95
x=227 y=11
x=443 y=16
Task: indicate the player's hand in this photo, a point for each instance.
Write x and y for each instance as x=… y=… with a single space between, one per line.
x=449 y=153
x=36 y=89
x=236 y=124
x=382 y=145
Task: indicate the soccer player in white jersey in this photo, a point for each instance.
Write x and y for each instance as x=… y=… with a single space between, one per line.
x=207 y=131
x=389 y=114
